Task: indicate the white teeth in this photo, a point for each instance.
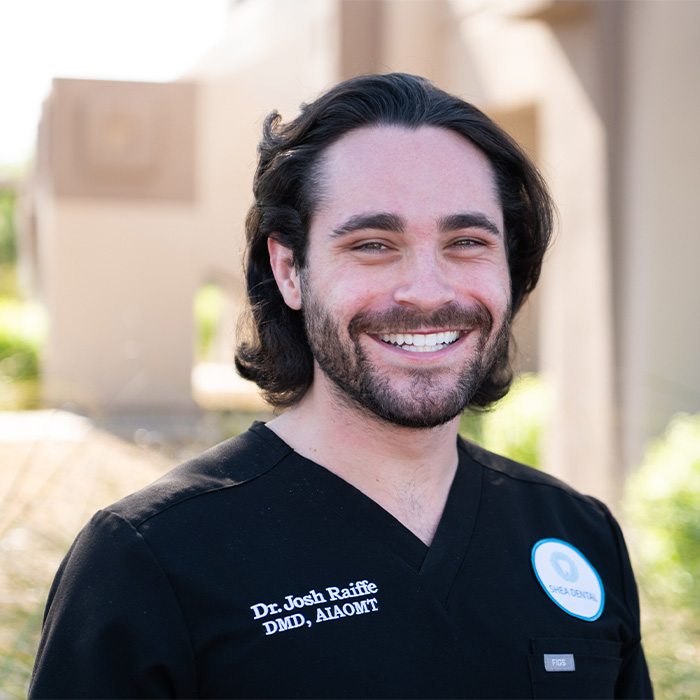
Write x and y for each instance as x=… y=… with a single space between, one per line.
x=421 y=342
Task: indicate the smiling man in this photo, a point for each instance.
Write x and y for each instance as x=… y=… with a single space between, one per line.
x=355 y=546
x=406 y=289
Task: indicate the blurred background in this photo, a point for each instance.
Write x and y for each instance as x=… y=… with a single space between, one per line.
x=127 y=147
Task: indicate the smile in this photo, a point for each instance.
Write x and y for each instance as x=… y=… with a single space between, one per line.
x=420 y=342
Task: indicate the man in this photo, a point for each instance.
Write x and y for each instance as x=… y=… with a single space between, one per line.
x=354 y=546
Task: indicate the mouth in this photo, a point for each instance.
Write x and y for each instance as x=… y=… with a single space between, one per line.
x=421 y=342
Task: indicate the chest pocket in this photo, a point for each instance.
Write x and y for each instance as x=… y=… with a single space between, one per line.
x=573 y=668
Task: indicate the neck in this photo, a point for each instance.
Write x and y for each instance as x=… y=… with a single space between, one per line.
x=406 y=471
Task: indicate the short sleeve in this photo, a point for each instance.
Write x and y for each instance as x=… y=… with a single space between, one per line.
x=113 y=626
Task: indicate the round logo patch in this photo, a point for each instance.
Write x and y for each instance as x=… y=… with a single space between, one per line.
x=568 y=578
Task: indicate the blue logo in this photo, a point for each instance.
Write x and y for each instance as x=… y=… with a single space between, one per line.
x=564 y=566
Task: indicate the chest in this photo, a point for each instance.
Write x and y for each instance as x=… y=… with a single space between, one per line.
x=341 y=603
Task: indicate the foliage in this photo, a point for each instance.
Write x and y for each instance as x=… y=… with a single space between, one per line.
x=9 y=284
x=8 y=248
x=21 y=336
x=662 y=506
x=18 y=358
x=515 y=426
x=22 y=333
x=208 y=308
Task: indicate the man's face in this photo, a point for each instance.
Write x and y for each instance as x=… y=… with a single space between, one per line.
x=405 y=292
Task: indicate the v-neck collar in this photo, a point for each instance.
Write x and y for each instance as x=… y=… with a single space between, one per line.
x=454 y=532
x=436 y=565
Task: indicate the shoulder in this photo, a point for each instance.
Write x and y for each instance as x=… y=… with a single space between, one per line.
x=527 y=479
x=534 y=502
x=228 y=465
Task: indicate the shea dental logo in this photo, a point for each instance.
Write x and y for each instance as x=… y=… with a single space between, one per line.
x=325 y=605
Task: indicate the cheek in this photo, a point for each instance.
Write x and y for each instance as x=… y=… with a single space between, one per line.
x=501 y=279
x=345 y=292
x=502 y=291
x=490 y=285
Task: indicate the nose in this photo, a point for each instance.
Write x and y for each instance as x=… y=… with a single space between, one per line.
x=424 y=284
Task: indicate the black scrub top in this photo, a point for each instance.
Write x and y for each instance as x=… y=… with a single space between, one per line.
x=252 y=572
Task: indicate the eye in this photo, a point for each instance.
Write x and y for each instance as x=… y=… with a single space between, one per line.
x=468 y=243
x=371 y=246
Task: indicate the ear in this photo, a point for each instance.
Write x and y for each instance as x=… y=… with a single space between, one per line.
x=285 y=272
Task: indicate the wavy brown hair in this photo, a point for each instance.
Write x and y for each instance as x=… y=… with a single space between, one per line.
x=274 y=351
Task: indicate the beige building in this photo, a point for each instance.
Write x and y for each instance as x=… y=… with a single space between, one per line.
x=143 y=188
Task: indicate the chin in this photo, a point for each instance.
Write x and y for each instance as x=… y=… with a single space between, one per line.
x=407 y=412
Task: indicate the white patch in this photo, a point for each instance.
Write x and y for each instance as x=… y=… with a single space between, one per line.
x=568 y=578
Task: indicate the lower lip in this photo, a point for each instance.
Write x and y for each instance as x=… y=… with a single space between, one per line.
x=422 y=356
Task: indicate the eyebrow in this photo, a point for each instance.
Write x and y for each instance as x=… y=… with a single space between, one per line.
x=379 y=221
x=455 y=222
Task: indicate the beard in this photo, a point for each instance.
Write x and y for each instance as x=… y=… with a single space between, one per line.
x=427 y=399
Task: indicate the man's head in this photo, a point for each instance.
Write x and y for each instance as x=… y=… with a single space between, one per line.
x=294 y=187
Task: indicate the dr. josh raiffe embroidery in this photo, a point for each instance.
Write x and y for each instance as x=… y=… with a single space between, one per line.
x=363 y=592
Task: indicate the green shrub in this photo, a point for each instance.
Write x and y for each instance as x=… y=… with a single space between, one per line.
x=8 y=247
x=18 y=358
x=9 y=284
x=662 y=508
x=208 y=308
x=662 y=503
x=21 y=337
x=514 y=427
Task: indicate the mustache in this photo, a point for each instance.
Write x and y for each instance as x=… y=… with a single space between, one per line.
x=402 y=320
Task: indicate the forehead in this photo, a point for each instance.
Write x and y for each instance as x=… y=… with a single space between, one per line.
x=422 y=171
